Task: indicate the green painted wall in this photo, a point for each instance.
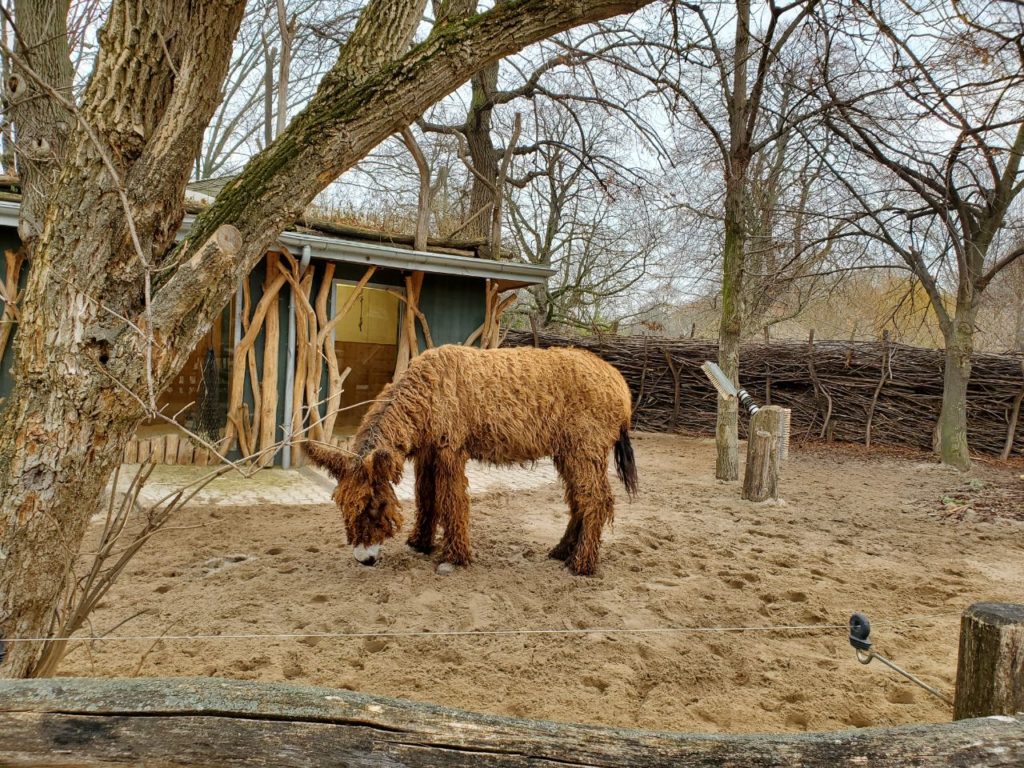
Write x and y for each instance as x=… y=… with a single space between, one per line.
x=454 y=307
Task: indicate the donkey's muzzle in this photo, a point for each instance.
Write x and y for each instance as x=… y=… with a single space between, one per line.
x=367 y=555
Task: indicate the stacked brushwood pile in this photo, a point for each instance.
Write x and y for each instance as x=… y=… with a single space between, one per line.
x=850 y=391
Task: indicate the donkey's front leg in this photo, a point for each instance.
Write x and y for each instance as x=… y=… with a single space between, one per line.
x=452 y=508
x=422 y=537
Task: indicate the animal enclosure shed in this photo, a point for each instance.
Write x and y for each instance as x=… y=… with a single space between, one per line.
x=317 y=329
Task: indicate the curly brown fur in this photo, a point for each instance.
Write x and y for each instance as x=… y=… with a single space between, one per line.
x=500 y=406
x=365 y=493
x=422 y=537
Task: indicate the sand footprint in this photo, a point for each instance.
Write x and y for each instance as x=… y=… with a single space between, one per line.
x=218 y=564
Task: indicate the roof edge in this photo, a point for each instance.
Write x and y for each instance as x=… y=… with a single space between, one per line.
x=511 y=274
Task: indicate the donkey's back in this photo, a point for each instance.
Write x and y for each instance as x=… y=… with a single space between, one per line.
x=521 y=403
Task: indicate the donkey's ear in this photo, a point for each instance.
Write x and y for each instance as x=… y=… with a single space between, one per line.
x=334 y=461
x=383 y=464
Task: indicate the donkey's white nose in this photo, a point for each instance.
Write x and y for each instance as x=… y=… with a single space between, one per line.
x=367 y=555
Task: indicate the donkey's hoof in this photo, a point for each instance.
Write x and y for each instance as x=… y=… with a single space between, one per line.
x=444 y=569
x=418 y=546
x=582 y=568
x=561 y=552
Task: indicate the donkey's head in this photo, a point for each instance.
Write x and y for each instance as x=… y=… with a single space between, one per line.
x=366 y=497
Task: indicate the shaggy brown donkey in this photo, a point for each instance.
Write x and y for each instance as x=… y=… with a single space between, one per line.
x=501 y=406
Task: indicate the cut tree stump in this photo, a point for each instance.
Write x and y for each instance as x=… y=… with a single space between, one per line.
x=761 y=479
x=990 y=670
x=214 y=723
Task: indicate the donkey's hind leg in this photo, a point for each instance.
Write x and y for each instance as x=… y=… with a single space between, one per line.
x=453 y=507
x=422 y=537
x=567 y=545
x=564 y=549
x=587 y=484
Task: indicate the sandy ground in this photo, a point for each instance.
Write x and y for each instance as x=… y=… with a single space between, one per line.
x=856 y=532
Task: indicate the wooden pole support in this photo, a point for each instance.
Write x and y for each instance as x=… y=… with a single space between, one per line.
x=761 y=479
x=990 y=670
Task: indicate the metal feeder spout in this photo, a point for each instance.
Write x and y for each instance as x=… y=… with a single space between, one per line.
x=729 y=391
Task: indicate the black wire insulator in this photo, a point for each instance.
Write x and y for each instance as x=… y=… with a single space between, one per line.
x=860 y=630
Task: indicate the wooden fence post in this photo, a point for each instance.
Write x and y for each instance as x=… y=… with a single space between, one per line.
x=761 y=479
x=990 y=670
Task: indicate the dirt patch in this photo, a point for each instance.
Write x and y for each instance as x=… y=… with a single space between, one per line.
x=855 y=533
x=996 y=497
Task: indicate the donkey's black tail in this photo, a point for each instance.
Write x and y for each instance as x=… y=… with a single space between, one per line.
x=625 y=463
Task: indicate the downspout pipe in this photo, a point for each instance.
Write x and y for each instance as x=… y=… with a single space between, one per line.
x=289 y=368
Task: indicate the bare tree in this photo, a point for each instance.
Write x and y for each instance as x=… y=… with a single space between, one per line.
x=293 y=42
x=601 y=232
x=931 y=96
x=716 y=67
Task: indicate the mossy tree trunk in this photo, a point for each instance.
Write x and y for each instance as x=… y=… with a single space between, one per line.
x=730 y=330
x=951 y=430
x=113 y=307
x=484 y=156
x=737 y=165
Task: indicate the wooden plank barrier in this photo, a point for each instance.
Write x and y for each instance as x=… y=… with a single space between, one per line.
x=167 y=449
x=214 y=722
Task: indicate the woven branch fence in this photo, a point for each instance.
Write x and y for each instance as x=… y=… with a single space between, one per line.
x=867 y=392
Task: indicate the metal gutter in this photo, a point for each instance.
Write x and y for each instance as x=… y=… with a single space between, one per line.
x=389 y=257
x=355 y=252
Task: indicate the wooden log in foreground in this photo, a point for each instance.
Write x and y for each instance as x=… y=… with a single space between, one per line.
x=213 y=722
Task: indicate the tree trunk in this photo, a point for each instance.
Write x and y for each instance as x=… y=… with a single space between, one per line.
x=484 y=157
x=951 y=431
x=734 y=251
x=727 y=424
x=80 y=371
x=764 y=455
x=42 y=124
x=990 y=668
x=55 y=462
